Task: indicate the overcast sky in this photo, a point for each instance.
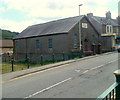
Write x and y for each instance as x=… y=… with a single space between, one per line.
x=16 y=15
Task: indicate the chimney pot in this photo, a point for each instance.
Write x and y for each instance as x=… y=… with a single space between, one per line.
x=90 y=14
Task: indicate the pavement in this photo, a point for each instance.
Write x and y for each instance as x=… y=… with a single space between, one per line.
x=12 y=75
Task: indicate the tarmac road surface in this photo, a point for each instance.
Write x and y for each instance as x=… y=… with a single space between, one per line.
x=81 y=79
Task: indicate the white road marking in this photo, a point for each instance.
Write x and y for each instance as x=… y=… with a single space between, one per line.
x=48 y=88
x=99 y=66
x=96 y=67
x=112 y=61
x=85 y=71
x=77 y=70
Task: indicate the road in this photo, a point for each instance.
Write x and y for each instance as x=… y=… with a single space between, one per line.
x=81 y=79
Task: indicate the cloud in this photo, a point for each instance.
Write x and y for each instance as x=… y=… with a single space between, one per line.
x=56 y=8
x=54 y=5
x=12 y=25
x=2 y=9
x=39 y=11
x=15 y=26
x=119 y=8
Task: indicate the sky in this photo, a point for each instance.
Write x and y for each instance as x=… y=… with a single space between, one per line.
x=16 y=15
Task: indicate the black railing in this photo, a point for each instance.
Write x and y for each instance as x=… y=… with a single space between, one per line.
x=25 y=61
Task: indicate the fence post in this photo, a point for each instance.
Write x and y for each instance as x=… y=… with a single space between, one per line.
x=53 y=58
x=117 y=75
x=28 y=63
x=63 y=56
x=41 y=60
x=12 y=65
x=72 y=55
x=69 y=56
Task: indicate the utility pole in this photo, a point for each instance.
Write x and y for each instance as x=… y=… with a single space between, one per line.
x=80 y=32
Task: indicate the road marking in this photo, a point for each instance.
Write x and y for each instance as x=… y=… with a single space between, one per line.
x=103 y=65
x=48 y=88
x=34 y=73
x=99 y=66
x=77 y=70
x=85 y=71
x=96 y=67
x=55 y=68
x=112 y=61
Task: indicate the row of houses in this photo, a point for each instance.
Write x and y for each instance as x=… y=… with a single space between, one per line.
x=95 y=34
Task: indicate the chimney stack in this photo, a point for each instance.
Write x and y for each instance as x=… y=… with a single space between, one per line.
x=118 y=18
x=108 y=15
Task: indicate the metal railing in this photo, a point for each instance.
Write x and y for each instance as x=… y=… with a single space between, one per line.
x=113 y=92
x=25 y=61
x=110 y=93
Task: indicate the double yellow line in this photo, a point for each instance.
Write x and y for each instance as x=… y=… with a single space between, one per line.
x=34 y=73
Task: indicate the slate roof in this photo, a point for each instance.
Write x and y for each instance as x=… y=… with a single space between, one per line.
x=98 y=21
x=106 y=21
x=53 y=27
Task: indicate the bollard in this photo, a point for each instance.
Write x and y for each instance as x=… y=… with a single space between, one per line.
x=117 y=75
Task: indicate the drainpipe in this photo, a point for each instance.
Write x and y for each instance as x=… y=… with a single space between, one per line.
x=26 y=55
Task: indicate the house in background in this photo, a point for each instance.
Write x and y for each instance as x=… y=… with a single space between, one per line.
x=6 y=46
x=106 y=26
x=55 y=37
x=6 y=49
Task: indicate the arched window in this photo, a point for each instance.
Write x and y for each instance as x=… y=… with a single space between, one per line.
x=37 y=44
x=86 y=44
x=75 y=41
x=50 y=43
x=17 y=43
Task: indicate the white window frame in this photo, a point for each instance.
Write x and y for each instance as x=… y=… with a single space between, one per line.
x=84 y=25
x=109 y=29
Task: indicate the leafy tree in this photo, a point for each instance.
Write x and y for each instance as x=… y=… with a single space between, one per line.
x=7 y=35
